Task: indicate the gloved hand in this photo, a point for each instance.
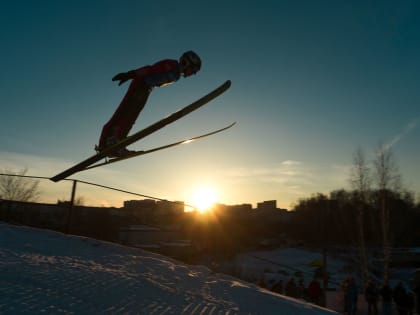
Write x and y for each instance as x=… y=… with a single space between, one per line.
x=123 y=77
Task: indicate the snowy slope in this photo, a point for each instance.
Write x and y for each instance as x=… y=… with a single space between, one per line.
x=289 y=261
x=51 y=273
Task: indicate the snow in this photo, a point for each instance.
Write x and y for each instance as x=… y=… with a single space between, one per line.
x=281 y=264
x=46 y=272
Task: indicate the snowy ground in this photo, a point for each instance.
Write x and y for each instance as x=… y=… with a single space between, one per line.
x=51 y=273
x=284 y=263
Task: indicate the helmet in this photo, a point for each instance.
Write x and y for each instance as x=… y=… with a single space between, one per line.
x=191 y=60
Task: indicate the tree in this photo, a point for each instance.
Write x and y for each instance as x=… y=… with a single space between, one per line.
x=360 y=181
x=15 y=186
x=387 y=179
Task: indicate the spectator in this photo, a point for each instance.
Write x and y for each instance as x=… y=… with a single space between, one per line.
x=411 y=303
x=400 y=299
x=278 y=287
x=344 y=286
x=371 y=296
x=300 y=290
x=386 y=294
x=417 y=293
x=291 y=289
x=351 y=296
x=314 y=292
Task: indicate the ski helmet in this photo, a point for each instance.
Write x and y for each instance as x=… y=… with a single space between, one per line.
x=192 y=60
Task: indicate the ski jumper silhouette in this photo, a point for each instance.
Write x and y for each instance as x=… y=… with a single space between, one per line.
x=144 y=80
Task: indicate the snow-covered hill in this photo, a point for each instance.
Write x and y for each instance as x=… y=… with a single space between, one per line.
x=52 y=273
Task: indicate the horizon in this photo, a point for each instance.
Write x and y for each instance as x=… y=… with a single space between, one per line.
x=311 y=82
x=98 y=196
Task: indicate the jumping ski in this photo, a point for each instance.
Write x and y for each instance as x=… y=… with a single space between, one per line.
x=139 y=153
x=143 y=133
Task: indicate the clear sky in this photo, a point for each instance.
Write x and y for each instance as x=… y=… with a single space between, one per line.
x=311 y=81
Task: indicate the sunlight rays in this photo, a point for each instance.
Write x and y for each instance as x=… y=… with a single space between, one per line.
x=203 y=198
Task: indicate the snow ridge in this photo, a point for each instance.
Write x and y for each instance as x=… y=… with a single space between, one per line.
x=52 y=273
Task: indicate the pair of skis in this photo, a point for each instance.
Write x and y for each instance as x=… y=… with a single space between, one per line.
x=91 y=162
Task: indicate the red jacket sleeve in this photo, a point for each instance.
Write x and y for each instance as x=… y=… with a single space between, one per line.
x=161 y=73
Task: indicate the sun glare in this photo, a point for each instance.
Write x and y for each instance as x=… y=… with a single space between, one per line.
x=204 y=199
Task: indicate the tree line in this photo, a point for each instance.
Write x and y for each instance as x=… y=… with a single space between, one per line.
x=376 y=212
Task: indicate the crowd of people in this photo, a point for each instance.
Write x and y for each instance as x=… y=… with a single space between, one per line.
x=389 y=301
x=297 y=289
x=403 y=299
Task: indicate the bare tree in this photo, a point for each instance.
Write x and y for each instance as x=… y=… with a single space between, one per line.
x=15 y=186
x=360 y=181
x=387 y=179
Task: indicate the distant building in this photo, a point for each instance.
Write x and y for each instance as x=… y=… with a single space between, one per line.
x=148 y=210
x=144 y=204
x=270 y=204
x=165 y=207
x=267 y=210
x=33 y=214
x=234 y=209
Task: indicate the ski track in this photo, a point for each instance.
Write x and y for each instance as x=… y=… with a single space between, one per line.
x=73 y=283
x=45 y=272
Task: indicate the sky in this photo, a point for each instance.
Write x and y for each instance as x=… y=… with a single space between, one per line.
x=311 y=82
x=49 y=272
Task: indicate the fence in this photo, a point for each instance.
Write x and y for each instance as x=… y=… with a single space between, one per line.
x=70 y=193
x=94 y=202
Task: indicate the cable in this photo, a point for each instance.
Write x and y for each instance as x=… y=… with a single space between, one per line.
x=106 y=187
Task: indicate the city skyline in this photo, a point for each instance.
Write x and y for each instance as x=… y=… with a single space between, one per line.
x=311 y=82
x=44 y=193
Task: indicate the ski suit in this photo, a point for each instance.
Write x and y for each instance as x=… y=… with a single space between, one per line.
x=143 y=81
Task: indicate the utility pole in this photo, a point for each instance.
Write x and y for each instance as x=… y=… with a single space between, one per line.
x=324 y=275
x=69 y=215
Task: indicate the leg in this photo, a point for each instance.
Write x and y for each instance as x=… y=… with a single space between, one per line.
x=126 y=114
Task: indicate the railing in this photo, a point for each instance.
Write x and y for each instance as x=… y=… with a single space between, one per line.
x=52 y=193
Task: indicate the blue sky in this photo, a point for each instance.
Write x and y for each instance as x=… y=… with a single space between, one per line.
x=311 y=81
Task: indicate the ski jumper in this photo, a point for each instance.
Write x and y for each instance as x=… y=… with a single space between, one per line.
x=143 y=81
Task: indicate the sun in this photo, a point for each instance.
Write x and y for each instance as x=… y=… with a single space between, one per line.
x=204 y=198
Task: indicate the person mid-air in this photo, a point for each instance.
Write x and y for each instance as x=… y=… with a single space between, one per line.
x=144 y=80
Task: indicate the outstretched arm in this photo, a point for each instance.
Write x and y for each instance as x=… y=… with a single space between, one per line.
x=124 y=76
x=159 y=74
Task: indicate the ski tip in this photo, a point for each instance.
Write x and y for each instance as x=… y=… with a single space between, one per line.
x=56 y=178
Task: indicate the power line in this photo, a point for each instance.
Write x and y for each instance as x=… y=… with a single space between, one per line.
x=17 y=175
x=103 y=186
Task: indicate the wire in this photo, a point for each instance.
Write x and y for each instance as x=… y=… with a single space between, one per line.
x=103 y=186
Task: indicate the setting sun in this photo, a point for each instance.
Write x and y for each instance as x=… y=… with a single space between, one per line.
x=203 y=198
